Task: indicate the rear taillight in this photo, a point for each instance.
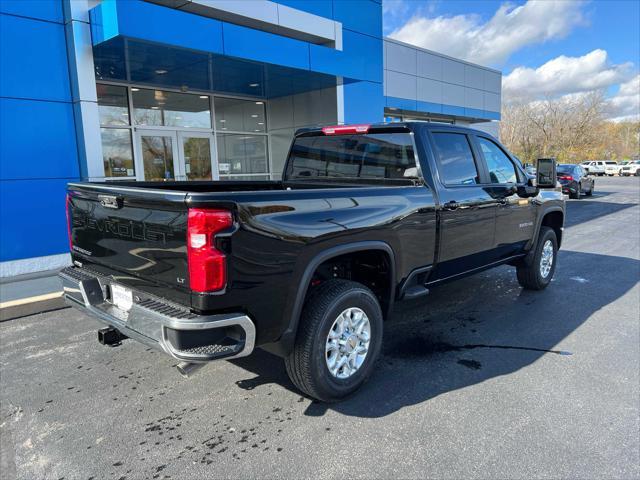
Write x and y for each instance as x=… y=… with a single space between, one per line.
x=207 y=264
x=566 y=177
x=67 y=208
x=345 y=129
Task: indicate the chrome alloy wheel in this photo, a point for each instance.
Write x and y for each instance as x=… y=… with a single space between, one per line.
x=546 y=259
x=348 y=342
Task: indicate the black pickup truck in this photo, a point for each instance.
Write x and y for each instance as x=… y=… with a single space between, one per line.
x=308 y=267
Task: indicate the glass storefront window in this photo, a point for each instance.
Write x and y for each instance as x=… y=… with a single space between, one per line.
x=235 y=115
x=248 y=178
x=170 y=109
x=240 y=154
x=117 y=153
x=113 y=105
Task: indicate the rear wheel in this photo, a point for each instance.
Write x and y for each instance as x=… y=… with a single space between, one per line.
x=338 y=340
x=576 y=196
x=537 y=273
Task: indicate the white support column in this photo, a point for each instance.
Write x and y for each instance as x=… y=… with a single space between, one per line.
x=83 y=88
x=340 y=101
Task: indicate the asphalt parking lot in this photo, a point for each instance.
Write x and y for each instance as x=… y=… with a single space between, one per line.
x=480 y=379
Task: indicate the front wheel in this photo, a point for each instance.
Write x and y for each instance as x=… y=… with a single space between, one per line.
x=538 y=272
x=338 y=341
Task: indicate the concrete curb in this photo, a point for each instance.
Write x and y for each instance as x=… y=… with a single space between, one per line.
x=30 y=306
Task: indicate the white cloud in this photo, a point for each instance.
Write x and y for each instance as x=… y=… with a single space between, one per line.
x=510 y=29
x=565 y=75
x=625 y=104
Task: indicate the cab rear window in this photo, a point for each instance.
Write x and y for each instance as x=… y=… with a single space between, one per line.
x=376 y=156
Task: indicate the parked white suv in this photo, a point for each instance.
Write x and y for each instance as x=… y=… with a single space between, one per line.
x=596 y=167
x=611 y=168
x=631 y=168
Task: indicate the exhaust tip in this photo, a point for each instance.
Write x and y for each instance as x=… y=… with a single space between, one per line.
x=188 y=369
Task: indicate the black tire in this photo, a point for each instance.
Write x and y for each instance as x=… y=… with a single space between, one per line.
x=529 y=272
x=576 y=196
x=590 y=192
x=307 y=364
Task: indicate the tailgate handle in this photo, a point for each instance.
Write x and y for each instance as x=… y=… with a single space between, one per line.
x=110 y=201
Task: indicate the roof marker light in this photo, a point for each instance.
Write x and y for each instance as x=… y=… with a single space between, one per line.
x=346 y=129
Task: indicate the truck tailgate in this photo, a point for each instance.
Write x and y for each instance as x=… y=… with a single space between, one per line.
x=135 y=236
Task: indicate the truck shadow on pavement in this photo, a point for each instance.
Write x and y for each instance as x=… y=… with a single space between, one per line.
x=585 y=210
x=470 y=331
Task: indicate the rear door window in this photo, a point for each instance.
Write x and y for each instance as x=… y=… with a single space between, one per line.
x=455 y=159
x=376 y=155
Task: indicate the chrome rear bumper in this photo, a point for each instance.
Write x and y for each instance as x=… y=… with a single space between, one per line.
x=160 y=324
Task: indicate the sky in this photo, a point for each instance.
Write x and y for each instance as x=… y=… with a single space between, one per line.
x=544 y=48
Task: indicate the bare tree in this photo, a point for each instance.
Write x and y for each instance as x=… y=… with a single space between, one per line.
x=571 y=128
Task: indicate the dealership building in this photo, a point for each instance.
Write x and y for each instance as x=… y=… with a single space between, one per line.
x=194 y=90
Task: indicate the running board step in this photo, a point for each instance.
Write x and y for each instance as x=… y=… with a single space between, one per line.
x=415 y=292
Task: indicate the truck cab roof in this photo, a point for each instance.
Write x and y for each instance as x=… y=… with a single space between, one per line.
x=382 y=127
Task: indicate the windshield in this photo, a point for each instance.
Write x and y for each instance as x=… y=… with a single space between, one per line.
x=566 y=169
x=377 y=155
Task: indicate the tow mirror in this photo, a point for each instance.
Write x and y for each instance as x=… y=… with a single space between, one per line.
x=546 y=173
x=527 y=190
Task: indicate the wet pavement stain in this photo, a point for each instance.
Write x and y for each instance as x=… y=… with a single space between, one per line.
x=226 y=437
x=421 y=347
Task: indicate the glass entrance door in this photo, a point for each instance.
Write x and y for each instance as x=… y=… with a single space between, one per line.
x=197 y=160
x=164 y=155
x=157 y=155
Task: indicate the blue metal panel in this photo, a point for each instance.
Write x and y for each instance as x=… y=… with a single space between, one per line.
x=363 y=102
x=265 y=47
x=474 y=112
x=146 y=21
x=34 y=59
x=50 y=10
x=429 y=107
x=37 y=140
x=104 y=22
x=359 y=16
x=35 y=211
x=402 y=103
x=491 y=115
x=360 y=59
x=453 y=110
x=323 y=8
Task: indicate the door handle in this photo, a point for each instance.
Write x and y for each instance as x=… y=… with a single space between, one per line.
x=452 y=205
